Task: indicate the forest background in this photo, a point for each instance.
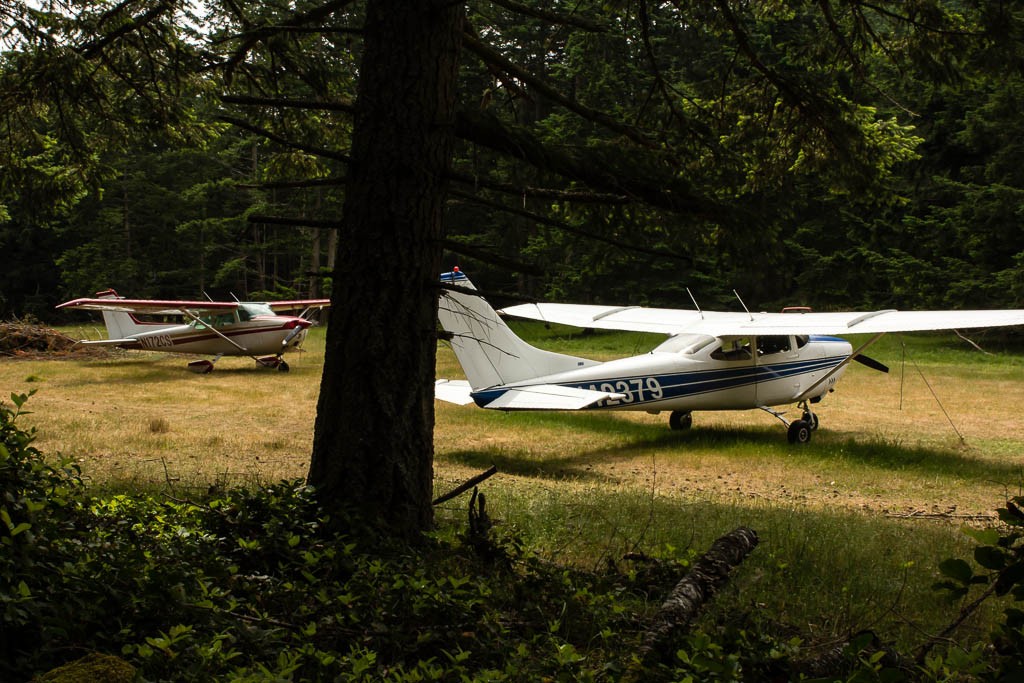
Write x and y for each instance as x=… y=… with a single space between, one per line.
x=156 y=183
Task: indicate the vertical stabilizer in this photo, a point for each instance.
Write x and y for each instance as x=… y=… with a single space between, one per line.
x=119 y=324
x=490 y=353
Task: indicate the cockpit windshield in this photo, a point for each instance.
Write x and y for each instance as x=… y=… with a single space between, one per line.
x=250 y=310
x=687 y=344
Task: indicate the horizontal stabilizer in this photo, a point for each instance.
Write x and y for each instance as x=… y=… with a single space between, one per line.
x=549 y=397
x=110 y=342
x=453 y=391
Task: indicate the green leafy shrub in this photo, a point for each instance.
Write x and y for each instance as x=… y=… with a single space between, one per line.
x=39 y=511
x=999 y=556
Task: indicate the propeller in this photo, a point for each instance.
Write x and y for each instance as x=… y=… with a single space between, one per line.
x=871 y=363
x=297 y=325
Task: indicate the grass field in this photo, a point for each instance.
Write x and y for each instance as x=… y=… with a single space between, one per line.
x=852 y=525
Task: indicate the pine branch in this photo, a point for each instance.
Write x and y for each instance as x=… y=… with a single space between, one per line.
x=274 y=137
x=491 y=57
x=288 y=103
x=255 y=35
x=524 y=191
x=651 y=181
x=552 y=17
x=573 y=230
x=91 y=49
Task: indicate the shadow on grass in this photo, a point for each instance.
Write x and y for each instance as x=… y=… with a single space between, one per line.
x=948 y=463
x=740 y=442
x=135 y=371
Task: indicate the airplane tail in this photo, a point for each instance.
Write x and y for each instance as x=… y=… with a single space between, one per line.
x=120 y=324
x=490 y=353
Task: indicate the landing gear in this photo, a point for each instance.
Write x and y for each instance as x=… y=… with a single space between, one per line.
x=680 y=420
x=799 y=432
x=273 y=362
x=203 y=366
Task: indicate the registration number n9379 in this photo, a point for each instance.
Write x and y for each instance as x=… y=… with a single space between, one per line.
x=637 y=390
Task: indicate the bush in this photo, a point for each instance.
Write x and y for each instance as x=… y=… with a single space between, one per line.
x=40 y=509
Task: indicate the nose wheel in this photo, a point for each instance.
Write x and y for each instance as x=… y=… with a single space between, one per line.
x=273 y=362
x=797 y=431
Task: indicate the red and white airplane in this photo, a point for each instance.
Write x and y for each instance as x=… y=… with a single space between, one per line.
x=710 y=361
x=215 y=328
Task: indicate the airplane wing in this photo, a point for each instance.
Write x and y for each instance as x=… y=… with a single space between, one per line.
x=298 y=304
x=718 y=324
x=151 y=306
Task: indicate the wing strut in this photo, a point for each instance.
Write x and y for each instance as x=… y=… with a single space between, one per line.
x=809 y=391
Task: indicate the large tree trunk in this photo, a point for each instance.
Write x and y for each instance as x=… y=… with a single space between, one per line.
x=373 y=442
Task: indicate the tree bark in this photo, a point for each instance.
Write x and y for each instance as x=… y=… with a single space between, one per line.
x=694 y=590
x=373 y=440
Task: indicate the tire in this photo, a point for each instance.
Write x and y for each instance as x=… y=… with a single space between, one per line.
x=680 y=420
x=799 y=432
x=282 y=367
x=812 y=420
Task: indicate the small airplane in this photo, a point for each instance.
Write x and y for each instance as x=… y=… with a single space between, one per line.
x=215 y=328
x=710 y=361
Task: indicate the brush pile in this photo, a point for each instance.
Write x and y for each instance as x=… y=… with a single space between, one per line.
x=28 y=338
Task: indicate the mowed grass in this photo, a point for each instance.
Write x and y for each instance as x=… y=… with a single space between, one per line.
x=853 y=525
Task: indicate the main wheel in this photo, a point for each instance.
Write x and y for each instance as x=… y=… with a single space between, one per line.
x=282 y=367
x=680 y=420
x=799 y=432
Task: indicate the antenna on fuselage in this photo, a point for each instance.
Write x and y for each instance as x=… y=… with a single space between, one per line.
x=696 y=305
x=744 y=305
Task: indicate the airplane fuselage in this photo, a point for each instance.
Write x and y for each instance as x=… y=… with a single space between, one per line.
x=257 y=336
x=704 y=378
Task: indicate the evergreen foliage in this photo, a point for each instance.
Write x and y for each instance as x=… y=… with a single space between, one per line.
x=826 y=175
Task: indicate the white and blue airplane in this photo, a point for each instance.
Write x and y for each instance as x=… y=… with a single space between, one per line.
x=710 y=361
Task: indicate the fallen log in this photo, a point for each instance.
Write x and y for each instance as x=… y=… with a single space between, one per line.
x=695 y=589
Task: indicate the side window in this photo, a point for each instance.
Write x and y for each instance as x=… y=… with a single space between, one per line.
x=221 y=320
x=801 y=341
x=733 y=349
x=772 y=344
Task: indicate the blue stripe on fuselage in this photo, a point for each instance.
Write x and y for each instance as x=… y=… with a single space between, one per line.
x=685 y=384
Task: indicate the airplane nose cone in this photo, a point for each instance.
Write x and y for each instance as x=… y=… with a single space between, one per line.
x=299 y=328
